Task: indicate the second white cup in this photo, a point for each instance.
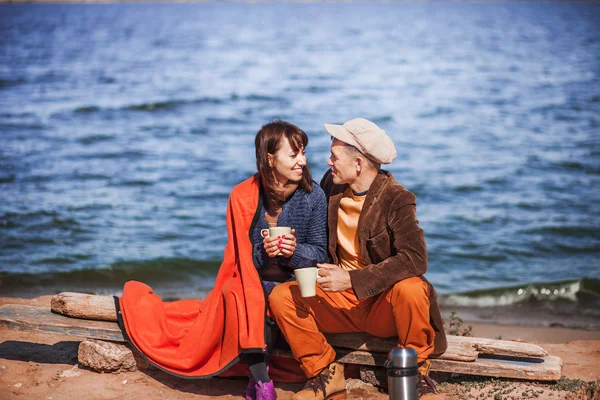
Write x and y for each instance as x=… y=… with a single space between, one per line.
x=307 y=281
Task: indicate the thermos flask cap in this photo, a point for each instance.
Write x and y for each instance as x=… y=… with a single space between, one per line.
x=402 y=357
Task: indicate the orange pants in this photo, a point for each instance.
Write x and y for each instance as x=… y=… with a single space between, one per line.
x=402 y=310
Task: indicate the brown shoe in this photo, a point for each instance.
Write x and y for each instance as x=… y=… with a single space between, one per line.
x=426 y=386
x=330 y=384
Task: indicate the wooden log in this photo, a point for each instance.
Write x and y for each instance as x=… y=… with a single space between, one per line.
x=543 y=369
x=501 y=347
x=85 y=306
x=364 y=342
x=42 y=319
x=460 y=348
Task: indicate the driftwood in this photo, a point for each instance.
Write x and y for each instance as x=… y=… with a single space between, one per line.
x=460 y=348
x=42 y=319
x=468 y=355
x=548 y=368
x=86 y=306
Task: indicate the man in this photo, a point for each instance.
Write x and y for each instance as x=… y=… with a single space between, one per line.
x=375 y=282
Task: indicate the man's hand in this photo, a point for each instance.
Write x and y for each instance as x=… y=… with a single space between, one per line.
x=333 y=278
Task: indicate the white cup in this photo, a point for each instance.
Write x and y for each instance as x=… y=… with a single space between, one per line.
x=280 y=230
x=307 y=281
x=275 y=231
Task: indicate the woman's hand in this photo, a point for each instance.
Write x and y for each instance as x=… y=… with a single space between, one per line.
x=287 y=244
x=284 y=245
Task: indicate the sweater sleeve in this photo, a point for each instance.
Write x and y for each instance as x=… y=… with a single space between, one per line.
x=260 y=257
x=313 y=249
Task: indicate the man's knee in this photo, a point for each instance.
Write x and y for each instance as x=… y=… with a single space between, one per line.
x=280 y=296
x=412 y=290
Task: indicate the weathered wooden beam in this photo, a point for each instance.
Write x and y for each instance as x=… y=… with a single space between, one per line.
x=85 y=306
x=501 y=347
x=543 y=369
x=42 y=319
x=364 y=342
x=460 y=348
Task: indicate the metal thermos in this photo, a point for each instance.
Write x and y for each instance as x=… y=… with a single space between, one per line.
x=402 y=374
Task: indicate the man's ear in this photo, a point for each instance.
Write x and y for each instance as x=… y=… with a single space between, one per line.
x=359 y=164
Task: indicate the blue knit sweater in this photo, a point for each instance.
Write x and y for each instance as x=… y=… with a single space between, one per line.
x=307 y=214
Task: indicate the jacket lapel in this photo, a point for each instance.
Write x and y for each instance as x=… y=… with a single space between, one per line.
x=377 y=186
x=332 y=221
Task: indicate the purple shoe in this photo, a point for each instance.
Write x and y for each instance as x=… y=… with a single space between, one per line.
x=260 y=391
x=251 y=390
x=265 y=391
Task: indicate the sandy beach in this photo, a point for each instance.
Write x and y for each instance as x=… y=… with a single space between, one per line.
x=35 y=365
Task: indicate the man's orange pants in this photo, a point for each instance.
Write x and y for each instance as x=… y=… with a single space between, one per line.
x=402 y=310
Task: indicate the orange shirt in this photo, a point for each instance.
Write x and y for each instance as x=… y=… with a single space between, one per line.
x=347 y=230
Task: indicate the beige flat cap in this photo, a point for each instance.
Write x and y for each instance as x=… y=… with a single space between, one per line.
x=368 y=138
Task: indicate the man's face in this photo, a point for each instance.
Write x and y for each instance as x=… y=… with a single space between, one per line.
x=343 y=165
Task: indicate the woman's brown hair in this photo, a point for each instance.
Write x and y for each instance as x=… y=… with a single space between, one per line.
x=268 y=141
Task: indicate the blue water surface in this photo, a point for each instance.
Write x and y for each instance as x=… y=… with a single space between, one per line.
x=123 y=128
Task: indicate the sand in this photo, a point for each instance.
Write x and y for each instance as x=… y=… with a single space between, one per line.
x=36 y=365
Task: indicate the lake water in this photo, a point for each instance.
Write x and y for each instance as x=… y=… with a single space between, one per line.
x=124 y=127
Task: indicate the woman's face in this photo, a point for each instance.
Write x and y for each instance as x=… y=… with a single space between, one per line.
x=287 y=164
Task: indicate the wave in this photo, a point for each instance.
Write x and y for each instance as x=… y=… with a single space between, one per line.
x=468 y=188
x=171 y=104
x=93 y=139
x=585 y=292
x=568 y=231
x=87 y=109
x=168 y=105
x=17 y=115
x=10 y=178
x=218 y=121
x=436 y=112
x=40 y=220
x=266 y=98
x=5 y=83
x=149 y=106
x=23 y=126
x=158 y=272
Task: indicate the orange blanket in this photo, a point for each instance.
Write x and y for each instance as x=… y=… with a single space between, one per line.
x=202 y=338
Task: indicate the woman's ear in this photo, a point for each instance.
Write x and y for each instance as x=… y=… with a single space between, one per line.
x=271 y=159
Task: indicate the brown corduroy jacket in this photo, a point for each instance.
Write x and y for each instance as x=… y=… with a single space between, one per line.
x=391 y=243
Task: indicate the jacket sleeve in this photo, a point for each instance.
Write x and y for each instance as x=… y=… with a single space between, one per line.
x=408 y=251
x=313 y=249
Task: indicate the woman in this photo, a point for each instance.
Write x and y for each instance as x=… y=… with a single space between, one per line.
x=204 y=338
x=289 y=197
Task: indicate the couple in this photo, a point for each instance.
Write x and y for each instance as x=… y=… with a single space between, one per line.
x=360 y=218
